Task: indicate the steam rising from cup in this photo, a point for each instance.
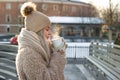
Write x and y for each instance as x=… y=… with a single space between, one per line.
x=56 y=31
x=57 y=41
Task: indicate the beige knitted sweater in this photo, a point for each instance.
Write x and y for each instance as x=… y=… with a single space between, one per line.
x=33 y=63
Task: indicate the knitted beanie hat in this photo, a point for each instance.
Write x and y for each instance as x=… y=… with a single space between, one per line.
x=34 y=20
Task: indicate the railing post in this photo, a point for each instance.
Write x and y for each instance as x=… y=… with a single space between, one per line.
x=75 y=51
x=96 y=47
x=91 y=48
x=97 y=44
x=108 y=50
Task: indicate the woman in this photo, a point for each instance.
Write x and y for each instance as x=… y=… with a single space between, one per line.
x=35 y=60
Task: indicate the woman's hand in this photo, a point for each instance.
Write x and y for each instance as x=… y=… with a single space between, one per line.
x=61 y=47
x=62 y=52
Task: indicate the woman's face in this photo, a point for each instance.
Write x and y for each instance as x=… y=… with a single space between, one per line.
x=47 y=32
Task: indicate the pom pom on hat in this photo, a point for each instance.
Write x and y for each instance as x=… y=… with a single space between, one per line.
x=28 y=8
x=34 y=20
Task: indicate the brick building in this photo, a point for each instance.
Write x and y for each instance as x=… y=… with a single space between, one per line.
x=11 y=20
x=10 y=9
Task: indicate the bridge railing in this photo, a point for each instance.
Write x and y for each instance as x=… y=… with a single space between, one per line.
x=77 y=50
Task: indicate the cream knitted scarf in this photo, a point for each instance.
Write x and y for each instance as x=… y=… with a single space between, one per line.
x=30 y=38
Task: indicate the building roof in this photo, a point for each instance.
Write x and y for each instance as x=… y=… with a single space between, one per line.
x=76 y=20
x=68 y=20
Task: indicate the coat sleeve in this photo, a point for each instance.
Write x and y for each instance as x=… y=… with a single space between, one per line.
x=35 y=68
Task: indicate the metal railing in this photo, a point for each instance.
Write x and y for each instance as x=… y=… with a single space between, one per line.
x=74 y=50
x=77 y=50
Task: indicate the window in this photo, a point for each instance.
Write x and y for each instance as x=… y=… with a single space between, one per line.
x=69 y=31
x=44 y=7
x=55 y=7
x=8 y=18
x=8 y=6
x=8 y=28
x=73 y=9
x=81 y=11
x=65 y=8
x=20 y=19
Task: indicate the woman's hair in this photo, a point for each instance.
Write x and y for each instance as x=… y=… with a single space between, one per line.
x=43 y=41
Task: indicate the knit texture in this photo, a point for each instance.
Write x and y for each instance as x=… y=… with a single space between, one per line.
x=36 y=21
x=33 y=63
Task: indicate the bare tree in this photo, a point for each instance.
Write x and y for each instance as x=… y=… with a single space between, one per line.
x=111 y=16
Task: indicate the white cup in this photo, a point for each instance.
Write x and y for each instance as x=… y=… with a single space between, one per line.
x=58 y=42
